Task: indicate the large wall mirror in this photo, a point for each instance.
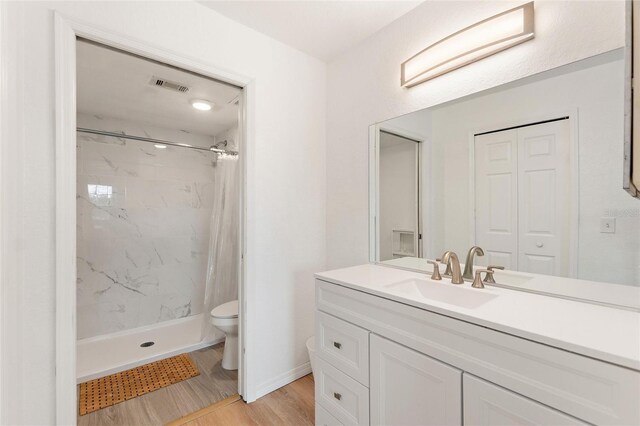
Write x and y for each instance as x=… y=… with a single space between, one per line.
x=530 y=171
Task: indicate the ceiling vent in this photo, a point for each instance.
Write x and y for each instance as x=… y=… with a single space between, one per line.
x=170 y=85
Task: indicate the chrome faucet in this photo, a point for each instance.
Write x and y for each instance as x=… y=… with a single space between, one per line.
x=450 y=259
x=468 y=264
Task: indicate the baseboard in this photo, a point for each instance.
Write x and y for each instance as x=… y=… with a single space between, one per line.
x=283 y=379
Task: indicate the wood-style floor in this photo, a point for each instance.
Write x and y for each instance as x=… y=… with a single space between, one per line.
x=292 y=405
x=172 y=402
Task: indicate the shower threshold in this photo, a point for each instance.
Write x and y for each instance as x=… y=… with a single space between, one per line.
x=111 y=353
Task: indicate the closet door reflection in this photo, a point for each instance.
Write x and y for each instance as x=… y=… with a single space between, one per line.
x=522 y=198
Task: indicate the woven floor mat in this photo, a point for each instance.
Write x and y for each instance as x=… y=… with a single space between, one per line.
x=110 y=390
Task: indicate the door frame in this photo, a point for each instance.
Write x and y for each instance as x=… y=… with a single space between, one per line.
x=574 y=207
x=423 y=148
x=66 y=30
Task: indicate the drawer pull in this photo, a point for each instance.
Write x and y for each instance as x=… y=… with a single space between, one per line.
x=337 y=344
x=337 y=396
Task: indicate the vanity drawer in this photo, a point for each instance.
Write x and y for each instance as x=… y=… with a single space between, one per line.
x=343 y=345
x=324 y=418
x=347 y=399
x=486 y=404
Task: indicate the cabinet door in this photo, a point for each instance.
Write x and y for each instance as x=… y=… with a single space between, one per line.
x=409 y=388
x=487 y=404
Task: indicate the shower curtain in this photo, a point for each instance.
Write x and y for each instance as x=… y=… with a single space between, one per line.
x=224 y=260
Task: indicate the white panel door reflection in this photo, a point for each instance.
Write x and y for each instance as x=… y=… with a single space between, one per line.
x=496 y=197
x=522 y=184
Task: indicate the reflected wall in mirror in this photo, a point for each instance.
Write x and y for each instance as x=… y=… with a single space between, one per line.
x=530 y=171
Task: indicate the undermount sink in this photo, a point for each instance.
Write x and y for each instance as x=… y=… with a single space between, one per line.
x=442 y=291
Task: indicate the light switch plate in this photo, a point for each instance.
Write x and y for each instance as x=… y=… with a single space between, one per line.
x=608 y=225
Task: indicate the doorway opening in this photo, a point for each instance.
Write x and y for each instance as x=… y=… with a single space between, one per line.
x=150 y=214
x=400 y=231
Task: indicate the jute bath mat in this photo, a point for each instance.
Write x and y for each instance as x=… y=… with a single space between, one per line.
x=119 y=387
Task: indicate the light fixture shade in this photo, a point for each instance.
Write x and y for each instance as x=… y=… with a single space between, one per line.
x=471 y=44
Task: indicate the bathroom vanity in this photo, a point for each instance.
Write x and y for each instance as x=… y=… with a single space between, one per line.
x=525 y=179
x=395 y=347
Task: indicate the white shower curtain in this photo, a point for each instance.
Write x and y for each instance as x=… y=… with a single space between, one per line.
x=223 y=263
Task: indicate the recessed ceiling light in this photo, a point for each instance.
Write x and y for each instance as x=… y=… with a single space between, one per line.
x=159 y=146
x=201 y=105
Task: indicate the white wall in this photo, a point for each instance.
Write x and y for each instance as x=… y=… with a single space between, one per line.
x=142 y=249
x=285 y=199
x=364 y=89
x=231 y=136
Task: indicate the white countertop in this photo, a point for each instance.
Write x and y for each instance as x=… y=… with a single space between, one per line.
x=600 y=332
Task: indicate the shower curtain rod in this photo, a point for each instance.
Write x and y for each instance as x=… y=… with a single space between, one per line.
x=152 y=140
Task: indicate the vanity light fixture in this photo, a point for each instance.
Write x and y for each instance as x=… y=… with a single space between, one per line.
x=471 y=44
x=201 y=104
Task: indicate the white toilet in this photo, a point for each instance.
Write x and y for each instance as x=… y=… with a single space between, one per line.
x=225 y=318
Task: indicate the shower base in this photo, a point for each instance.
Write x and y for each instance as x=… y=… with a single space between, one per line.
x=111 y=353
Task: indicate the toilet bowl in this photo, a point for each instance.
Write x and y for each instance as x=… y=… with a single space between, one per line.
x=225 y=318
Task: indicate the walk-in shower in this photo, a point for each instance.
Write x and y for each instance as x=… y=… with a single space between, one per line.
x=157 y=210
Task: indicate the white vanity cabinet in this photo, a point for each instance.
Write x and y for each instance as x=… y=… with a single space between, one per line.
x=409 y=388
x=384 y=362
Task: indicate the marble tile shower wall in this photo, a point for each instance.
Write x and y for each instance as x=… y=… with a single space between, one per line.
x=143 y=232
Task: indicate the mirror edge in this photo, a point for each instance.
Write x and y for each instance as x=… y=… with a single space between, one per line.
x=373 y=187
x=627 y=178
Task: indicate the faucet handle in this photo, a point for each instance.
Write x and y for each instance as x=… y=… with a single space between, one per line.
x=489 y=277
x=436 y=270
x=477 y=280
